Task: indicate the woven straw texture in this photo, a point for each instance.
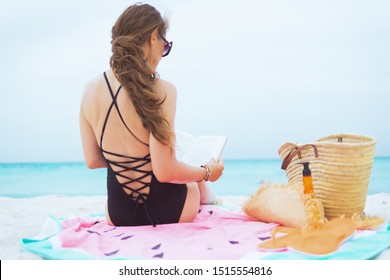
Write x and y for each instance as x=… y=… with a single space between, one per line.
x=285 y=204
x=340 y=171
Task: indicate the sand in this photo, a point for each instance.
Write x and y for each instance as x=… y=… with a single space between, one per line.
x=24 y=217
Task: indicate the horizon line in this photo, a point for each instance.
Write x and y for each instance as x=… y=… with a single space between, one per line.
x=80 y=161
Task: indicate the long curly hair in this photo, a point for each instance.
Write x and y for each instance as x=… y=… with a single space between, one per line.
x=134 y=27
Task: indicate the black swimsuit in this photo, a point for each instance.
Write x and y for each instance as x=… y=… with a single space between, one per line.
x=163 y=203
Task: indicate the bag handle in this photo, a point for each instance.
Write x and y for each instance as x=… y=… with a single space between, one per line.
x=297 y=151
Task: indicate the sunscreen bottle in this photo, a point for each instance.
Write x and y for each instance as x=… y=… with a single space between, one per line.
x=307 y=179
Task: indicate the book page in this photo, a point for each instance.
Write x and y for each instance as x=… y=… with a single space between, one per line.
x=205 y=148
x=184 y=141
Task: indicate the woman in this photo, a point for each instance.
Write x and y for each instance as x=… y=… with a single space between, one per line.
x=127 y=125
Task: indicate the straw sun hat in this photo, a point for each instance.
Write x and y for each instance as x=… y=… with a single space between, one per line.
x=285 y=204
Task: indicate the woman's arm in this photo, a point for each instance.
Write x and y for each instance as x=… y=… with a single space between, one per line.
x=165 y=165
x=92 y=154
x=167 y=169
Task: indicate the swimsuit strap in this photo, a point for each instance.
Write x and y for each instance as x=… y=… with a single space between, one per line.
x=114 y=103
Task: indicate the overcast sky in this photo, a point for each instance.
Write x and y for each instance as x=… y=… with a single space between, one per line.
x=260 y=72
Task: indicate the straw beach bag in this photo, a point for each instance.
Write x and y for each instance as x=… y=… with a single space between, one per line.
x=341 y=167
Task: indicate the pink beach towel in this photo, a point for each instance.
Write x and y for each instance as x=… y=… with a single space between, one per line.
x=216 y=233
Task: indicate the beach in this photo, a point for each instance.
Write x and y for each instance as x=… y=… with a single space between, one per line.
x=24 y=217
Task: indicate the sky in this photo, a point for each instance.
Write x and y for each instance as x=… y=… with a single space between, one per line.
x=260 y=72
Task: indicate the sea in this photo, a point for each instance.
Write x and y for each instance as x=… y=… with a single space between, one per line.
x=240 y=177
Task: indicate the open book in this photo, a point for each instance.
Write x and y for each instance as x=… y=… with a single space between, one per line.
x=197 y=150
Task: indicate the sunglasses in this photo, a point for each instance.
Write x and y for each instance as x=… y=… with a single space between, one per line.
x=167 y=45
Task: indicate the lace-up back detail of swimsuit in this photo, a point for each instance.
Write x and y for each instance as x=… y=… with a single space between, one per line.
x=137 y=186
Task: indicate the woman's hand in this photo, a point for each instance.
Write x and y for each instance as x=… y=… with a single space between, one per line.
x=216 y=169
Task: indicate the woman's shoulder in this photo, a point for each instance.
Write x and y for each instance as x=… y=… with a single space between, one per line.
x=165 y=88
x=91 y=87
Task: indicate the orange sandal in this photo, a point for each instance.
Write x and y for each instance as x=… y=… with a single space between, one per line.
x=320 y=238
x=280 y=243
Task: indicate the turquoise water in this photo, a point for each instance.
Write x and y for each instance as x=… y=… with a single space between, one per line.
x=241 y=177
